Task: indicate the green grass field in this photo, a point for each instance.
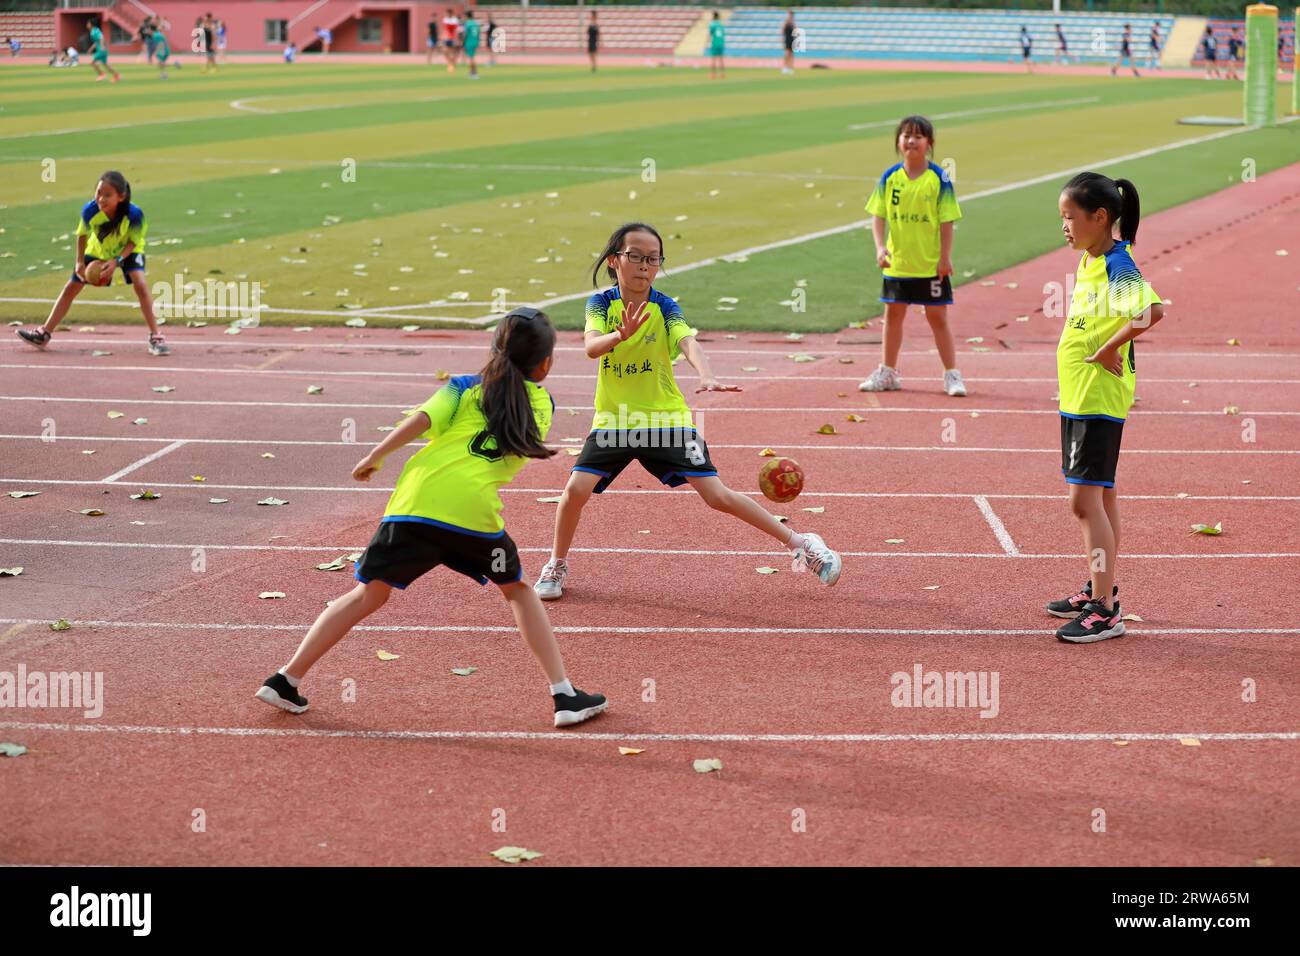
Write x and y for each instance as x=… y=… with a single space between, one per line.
x=514 y=182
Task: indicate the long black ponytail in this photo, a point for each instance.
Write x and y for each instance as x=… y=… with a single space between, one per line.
x=1119 y=197
x=118 y=182
x=524 y=340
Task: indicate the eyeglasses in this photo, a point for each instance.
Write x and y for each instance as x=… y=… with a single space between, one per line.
x=636 y=259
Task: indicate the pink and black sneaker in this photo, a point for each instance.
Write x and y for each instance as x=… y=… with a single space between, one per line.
x=1094 y=623
x=1071 y=606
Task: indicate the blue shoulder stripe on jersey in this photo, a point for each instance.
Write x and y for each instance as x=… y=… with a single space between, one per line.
x=944 y=181
x=667 y=304
x=88 y=211
x=134 y=214
x=1121 y=270
x=463 y=383
x=889 y=172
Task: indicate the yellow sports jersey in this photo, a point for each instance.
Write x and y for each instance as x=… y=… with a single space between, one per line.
x=132 y=229
x=635 y=387
x=452 y=482
x=1109 y=291
x=914 y=209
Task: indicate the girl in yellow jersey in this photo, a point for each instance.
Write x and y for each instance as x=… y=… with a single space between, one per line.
x=1111 y=306
x=446 y=508
x=916 y=199
x=641 y=415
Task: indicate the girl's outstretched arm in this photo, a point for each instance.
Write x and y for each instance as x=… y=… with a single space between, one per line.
x=694 y=353
x=415 y=425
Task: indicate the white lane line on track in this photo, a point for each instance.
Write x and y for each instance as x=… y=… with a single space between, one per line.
x=387 y=489
x=999 y=529
x=588 y=735
x=178 y=443
x=472 y=629
x=683 y=552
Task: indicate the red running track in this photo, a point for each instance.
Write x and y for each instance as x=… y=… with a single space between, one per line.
x=951 y=514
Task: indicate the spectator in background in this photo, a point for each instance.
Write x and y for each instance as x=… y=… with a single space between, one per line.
x=1062 y=47
x=787 y=36
x=1236 y=52
x=143 y=34
x=290 y=53
x=431 y=41
x=1153 y=59
x=1026 y=48
x=491 y=41
x=1210 y=50
x=207 y=25
x=14 y=46
x=221 y=40
x=717 y=46
x=471 y=33
x=450 y=39
x=72 y=57
x=1125 y=52
x=326 y=38
x=593 y=40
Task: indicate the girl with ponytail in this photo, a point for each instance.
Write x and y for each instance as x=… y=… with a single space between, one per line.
x=446 y=508
x=110 y=231
x=1096 y=368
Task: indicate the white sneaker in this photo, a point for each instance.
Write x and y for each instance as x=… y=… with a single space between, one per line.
x=158 y=345
x=550 y=586
x=819 y=559
x=953 y=384
x=882 y=380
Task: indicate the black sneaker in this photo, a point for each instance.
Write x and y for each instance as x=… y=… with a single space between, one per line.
x=570 y=710
x=277 y=692
x=1072 y=606
x=38 y=337
x=1093 y=624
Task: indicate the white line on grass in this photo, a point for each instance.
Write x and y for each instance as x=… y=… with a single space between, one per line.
x=387 y=489
x=587 y=735
x=475 y=629
x=959 y=114
x=999 y=529
x=145 y=460
x=982 y=194
x=978 y=449
x=690 y=552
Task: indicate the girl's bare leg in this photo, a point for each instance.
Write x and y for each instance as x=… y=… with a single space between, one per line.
x=576 y=495
x=335 y=622
x=535 y=627
x=893 y=337
x=62 y=304
x=141 y=286
x=721 y=498
x=937 y=316
x=1098 y=539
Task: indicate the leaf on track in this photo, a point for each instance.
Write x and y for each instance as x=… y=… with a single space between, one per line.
x=765 y=453
x=10 y=572
x=515 y=854
x=893 y=541
x=820 y=509
x=163 y=388
x=410 y=328
x=1258 y=861
x=12 y=750
x=851 y=417
x=88 y=451
x=386 y=656
x=23 y=494
x=1121 y=743
x=88 y=512
x=1207 y=529
x=338 y=564
x=766 y=570
x=827 y=430
x=553 y=500
x=975 y=340
x=857 y=325
x=197 y=478
x=708 y=765
x=794 y=337
x=1234 y=341
x=140 y=421
x=355 y=323
x=1133 y=617
x=1231 y=410
x=751 y=368
x=146 y=495
x=1190 y=741
x=267 y=454
x=271 y=595
x=233 y=330
x=630 y=751
x=117 y=414
x=463 y=671
x=802 y=357
x=574 y=452
x=98 y=353
x=273 y=501
x=61 y=624
x=218 y=501
x=315 y=389
x=932 y=587
x=302 y=328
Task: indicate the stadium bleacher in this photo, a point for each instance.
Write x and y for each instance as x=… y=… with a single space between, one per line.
x=622 y=29
x=836 y=32
x=33 y=29
x=1223 y=29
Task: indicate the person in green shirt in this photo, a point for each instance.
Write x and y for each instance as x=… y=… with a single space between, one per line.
x=717 y=43
x=99 y=53
x=470 y=43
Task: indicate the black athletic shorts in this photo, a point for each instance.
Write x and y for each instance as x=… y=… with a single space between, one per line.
x=932 y=291
x=1090 y=450
x=670 y=454
x=403 y=550
x=128 y=264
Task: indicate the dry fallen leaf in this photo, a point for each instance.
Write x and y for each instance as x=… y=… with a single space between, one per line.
x=1234 y=341
x=197 y=478
x=386 y=656
x=273 y=501
x=61 y=625
x=17 y=750
x=1190 y=741
x=1263 y=861
x=267 y=454
x=1231 y=410
x=140 y=421
x=463 y=671
x=10 y=572
x=1132 y=617
x=932 y=587
x=23 y=494
x=117 y=414
x=630 y=751
x=1182 y=494
x=551 y=501
x=893 y=541
x=854 y=418
x=163 y=388
x=271 y=595
x=574 y=452
x=975 y=340
x=821 y=509
x=765 y=453
x=89 y=512
x=146 y=495
x=707 y=765
x=827 y=430
x=217 y=501
x=1120 y=743
x=750 y=368
x=766 y=570
x=336 y=565
x=515 y=854
x=1206 y=529
x=315 y=389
